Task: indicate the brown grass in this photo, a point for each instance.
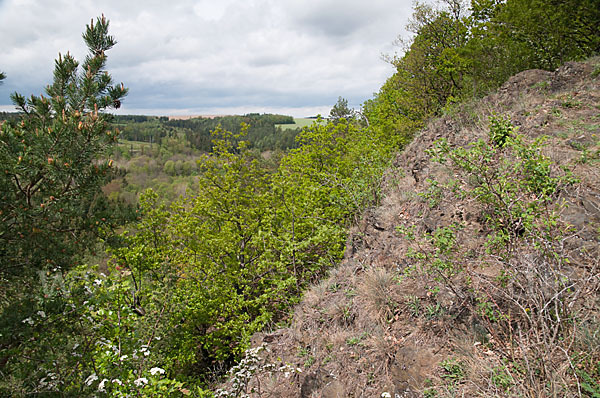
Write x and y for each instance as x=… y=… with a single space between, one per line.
x=381 y=323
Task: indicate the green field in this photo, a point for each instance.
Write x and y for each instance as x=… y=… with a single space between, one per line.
x=299 y=123
x=134 y=145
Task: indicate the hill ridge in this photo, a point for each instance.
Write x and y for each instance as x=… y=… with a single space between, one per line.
x=373 y=329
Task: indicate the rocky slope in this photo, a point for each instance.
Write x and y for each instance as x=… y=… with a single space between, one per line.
x=388 y=322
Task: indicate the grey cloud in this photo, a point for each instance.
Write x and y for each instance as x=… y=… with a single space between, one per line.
x=338 y=19
x=202 y=54
x=266 y=60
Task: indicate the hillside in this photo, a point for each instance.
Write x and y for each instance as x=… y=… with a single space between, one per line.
x=477 y=276
x=465 y=265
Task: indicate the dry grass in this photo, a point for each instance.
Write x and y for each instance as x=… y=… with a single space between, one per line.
x=381 y=323
x=377 y=291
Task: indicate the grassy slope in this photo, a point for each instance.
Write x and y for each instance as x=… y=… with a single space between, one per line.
x=367 y=330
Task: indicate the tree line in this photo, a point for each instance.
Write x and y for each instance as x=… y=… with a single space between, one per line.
x=262 y=133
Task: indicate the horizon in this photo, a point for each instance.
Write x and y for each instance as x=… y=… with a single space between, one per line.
x=182 y=116
x=199 y=57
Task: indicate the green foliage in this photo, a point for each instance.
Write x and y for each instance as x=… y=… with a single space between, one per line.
x=518 y=189
x=589 y=382
x=434 y=193
x=512 y=178
x=237 y=252
x=56 y=324
x=502 y=378
x=438 y=259
x=488 y=310
x=454 y=370
x=501 y=129
x=353 y=340
x=433 y=311
x=323 y=184
x=436 y=60
x=567 y=33
x=458 y=52
x=82 y=334
x=53 y=163
x=233 y=285
x=441 y=261
x=394 y=111
x=533 y=34
x=414 y=305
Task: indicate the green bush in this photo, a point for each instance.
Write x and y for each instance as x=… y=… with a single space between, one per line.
x=513 y=180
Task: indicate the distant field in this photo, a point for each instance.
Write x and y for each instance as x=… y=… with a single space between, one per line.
x=299 y=123
x=135 y=145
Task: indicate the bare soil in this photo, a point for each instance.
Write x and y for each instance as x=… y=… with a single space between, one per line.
x=366 y=331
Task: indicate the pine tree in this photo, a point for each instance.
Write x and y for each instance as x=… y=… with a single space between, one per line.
x=54 y=162
x=341 y=110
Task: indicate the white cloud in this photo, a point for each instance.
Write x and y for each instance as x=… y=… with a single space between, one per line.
x=208 y=55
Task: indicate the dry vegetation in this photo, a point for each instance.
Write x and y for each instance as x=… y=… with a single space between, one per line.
x=428 y=303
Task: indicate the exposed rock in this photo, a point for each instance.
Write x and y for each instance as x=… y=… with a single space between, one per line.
x=368 y=328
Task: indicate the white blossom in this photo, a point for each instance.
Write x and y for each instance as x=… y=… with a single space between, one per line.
x=140 y=382
x=386 y=395
x=101 y=385
x=48 y=381
x=154 y=371
x=42 y=314
x=91 y=378
x=119 y=382
x=28 y=320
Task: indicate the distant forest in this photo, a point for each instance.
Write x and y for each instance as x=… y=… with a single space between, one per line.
x=263 y=133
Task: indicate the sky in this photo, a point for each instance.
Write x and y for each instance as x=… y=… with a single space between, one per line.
x=212 y=57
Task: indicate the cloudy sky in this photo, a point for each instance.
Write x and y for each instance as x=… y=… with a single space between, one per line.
x=192 y=57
